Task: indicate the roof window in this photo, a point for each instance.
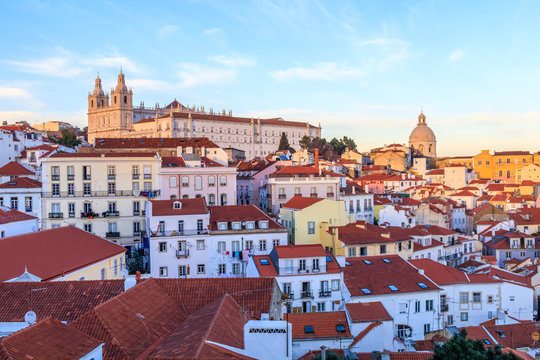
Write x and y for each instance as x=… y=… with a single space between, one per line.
x=264 y=262
x=367 y=262
x=393 y=287
x=308 y=329
x=366 y=291
x=328 y=258
x=386 y=260
x=340 y=328
x=422 y=285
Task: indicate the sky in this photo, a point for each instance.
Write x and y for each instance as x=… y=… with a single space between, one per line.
x=363 y=69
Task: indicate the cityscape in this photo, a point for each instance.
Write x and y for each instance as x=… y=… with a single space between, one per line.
x=269 y=180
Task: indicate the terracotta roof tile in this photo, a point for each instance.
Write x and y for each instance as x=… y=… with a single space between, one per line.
x=187 y=207
x=408 y=280
x=49 y=253
x=444 y=275
x=13 y=168
x=21 y=183
x=48 y=339
x=294 y=251
x=8 y=215
x=367 y=312
x=233 y=213
x=323 y=325
x=152 y=143
x=107 y=155
x=299 y=202
x=63 y=300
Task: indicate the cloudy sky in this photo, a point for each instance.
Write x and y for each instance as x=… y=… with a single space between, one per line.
x=361 y=68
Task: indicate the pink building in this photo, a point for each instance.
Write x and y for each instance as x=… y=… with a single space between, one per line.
x=253 y=175
x=191 y=176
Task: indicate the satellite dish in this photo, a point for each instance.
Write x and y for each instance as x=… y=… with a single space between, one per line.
x=124 y=273
x=30 y=317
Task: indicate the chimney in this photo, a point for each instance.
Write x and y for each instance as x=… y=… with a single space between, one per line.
x=317 y=161
x=138 y=275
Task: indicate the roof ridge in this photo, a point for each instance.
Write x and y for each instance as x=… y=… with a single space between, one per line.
x=211 y=324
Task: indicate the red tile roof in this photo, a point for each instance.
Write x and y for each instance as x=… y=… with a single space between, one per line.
x=299 y=202
x=188 y=207
x=8 y=215
x=367 y=312
x=434 y=230
x=509 y=153
x=21 y=183
x=50 y=253
x=107 y=155
x=63 y=300
x=233 y=213
x=266 y=269
x=445 y=275
x=296 y=170
x=48 y=339
x=515 y=335
x=294 y=251
x=323 y=323
x=407 y=281
x=153 y=143
x=351 y=234
x=13 y=168
x=464 y=193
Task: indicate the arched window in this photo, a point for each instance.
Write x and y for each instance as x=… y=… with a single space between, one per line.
x=115 y=99
x=430 y=148
x=102 y=103
x=211 y=199
x=223 y=199
x=92 y=103
x=500 y=173
x=125 y=99
x=508 y=174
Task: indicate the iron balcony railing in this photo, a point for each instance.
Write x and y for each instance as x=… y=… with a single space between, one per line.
x=105 y=193
x=325 y=293
x=112 y=234
x=306 y=294
x=182 y=253
x=169 y=233
x=56 y=215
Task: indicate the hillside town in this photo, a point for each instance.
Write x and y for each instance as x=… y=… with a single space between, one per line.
x=180 y=233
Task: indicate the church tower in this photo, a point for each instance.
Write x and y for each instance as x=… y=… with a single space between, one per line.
x=110 y=116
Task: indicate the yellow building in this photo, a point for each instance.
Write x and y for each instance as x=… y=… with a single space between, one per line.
x=306 y=218
x=364 y=239
x=467 y=161
x=528 y=172
x=502 y=165
x=65 y=253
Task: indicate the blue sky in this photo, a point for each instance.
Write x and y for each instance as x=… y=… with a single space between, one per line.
x=362 y=69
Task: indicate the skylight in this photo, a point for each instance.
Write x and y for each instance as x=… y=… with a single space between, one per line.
x=328 y=258
x=487 y=342
x=308 y=329
x=264 y=261
x=386 y=260
x=340 y=328
x=366 y=291
x=367 y=262
x=393 y=287
x=422 y=285
x=500 y=333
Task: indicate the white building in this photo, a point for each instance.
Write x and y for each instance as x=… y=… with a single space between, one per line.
x=358 y=202
x=14 y=139
x=102 y=193
x=397 y=215
x=23 y=194
x=188 y=239
x=309 y=275
x=409 y=297
x=13 y=222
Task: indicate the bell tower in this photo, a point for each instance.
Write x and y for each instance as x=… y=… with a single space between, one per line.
x=121 y=105
x=98 y=107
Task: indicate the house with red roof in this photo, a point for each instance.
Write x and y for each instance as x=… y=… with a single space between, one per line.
x=358 y=202
x=13 y=170
x=14 y=222
x=308 y=218
x=465 y=197
x=506 y=245
x=23 y=194
x=188 y=176
x=411 y=299
x=371 y=326
x=526 y=220
x=65 y=253
x=309 y=277
x=14 y=139
x=251 y=177
x=397 y=215
x=189 y=239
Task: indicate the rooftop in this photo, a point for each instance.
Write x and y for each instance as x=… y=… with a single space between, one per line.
x=299 y=202
x=152 y=143
x=368 y=312
x=326 y=324
x=13 y=168
x=8 y=215
x=240 y=213
x=21 y=183
x=179 y=207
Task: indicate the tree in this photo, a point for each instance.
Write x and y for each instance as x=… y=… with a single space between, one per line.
x=283 y=142
x=305 y=142
x=69 y=139
x=348 y=142
x=338 y=145
x=459 y=347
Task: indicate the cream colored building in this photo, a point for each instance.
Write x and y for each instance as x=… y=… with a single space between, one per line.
x=113 y=115
x=53 y=126
x=528 y=172
x=104 y=194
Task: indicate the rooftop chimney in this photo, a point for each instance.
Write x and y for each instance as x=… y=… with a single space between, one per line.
x=317 y=161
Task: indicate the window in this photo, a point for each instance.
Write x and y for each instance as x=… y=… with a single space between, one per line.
x=112 y=227
x=223 y=180
x=198 y=183
x=383 y=249
x=71 y=189
x=180 y=227
x=315 y=264
x=275 y=242
x=147 y=171
x=70 y=172
x=136 y=228
x=250 y=225
x=429 y=305
x=450 y=319
x=136 y=186
x=249 y=244
x=102 y=273
x=56 y=189
x=211 y=199
x=112 y=208
x=185 y=181
x=172 y=181
x=402 y=308
x=111 y=172
x=222 y=269
x=393 y=287
x=55 y=173
x=236 y=268
x=287 y=288
x=163 y=271
x=322 y=307
x=135 y=171
x=211 y=181
x=200 y=269
x=463 y=298
x=308 y=329
x=71 y=210
x=464 y=316
x=302 y=265
x=403 y=331
x=427 y=328
x=490 y=299
x=111 y=187
x=311 y=227
x=223 y=199
x=366 y=291
x=86 y=172
x=508 y=255
x=363 y=251
x=14 y=203
x=352 y=251
x=222 y=246
x=262 y=245
x=476 y=297
x=115 y=267
x=199 y=226
x=182 y=270
x=236 y=245
x=87 y=189
x=162 y=247
x=417 y=306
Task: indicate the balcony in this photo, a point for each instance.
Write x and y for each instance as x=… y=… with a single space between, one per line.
x=136 y=213
x=70 y=177
x=288 y=295
x=28 y=209
x=182 y=253
x=135 y=176
x=71 y=215
x=89 y=215
x=306 y=294
x=87 y=177
x=110 y=213
x=147 y=176
x=137 y=233
x=112 y=234
x=111 y=176
x=88 y=193
x=330 y=194
x=56 y=215
x=55 y=177
x=313 y=195
x=169 y=233
x=282 y=196
x=325 y=293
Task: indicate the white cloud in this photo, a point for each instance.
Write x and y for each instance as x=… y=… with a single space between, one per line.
x=234 y=60
x=167 y=30
x=69 y=64
x=212 y=31
x=327 y=71
x=456 y=55
x=12 y=92
x=194 y=74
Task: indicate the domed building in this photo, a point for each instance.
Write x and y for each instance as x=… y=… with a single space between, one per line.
x=422 y=139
